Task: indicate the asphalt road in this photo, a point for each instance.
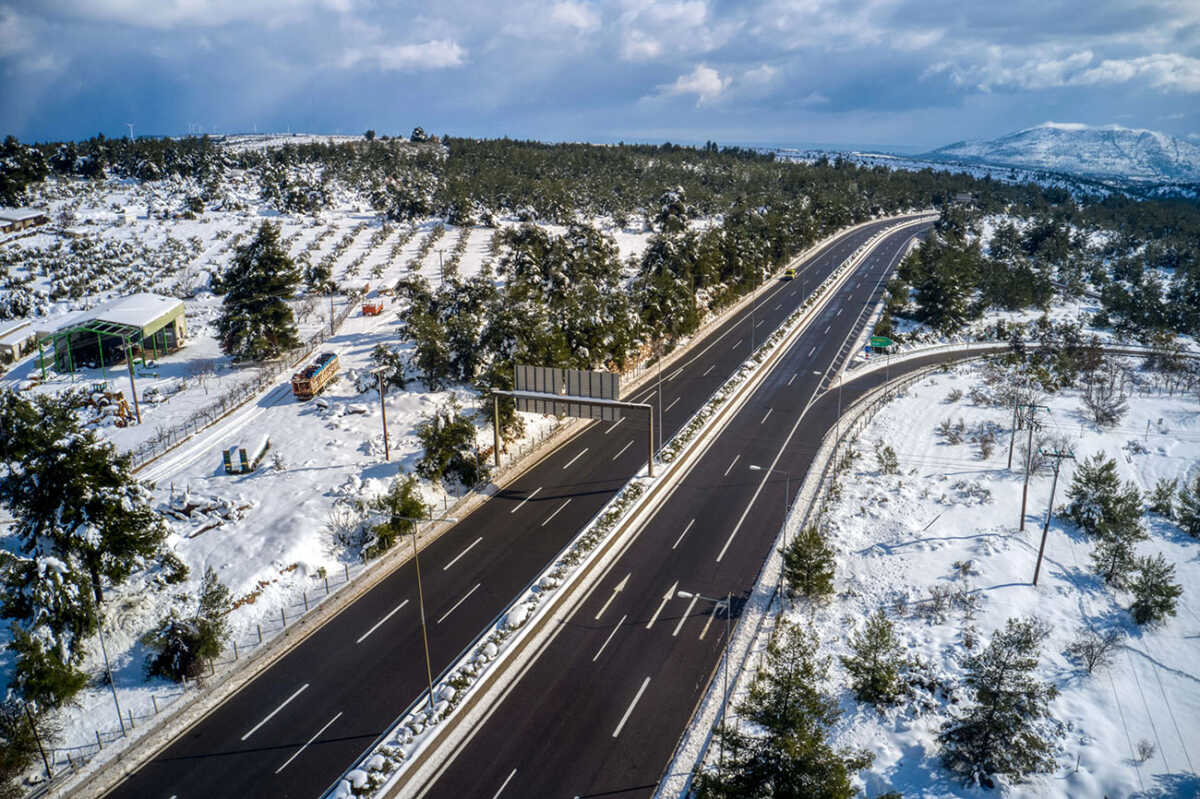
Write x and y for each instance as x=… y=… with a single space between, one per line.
x=599 y=712
x=293 y=730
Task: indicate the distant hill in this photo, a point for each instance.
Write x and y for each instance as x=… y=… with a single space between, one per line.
x=1109 y=151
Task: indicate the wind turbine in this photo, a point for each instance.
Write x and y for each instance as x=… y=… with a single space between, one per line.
x=130 y=126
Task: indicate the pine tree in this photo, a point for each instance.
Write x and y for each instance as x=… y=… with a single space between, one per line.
x=399 y=507
x=256 y=322
x=808 y=565
x=1001 y=731
x=1187 y=511
x=876 y=662
x=1154 y=592
x=19 y=743
x=1097 y=497
x=788 y=754
x=1113 y=556
x=95 y=527
x=1162 y=500
x=181 y=646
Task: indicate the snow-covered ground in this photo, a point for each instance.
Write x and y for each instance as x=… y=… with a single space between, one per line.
x=949 y=520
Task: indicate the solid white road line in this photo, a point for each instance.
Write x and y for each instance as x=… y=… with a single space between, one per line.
x=460 y=554
x=681 y=535
x=672 y=405
x=632 y=705
x=684 y=617
x=552 y=515
x=379 y=623
x=459 y=602
x=768 y=413
x=309 y=742
x=622 y=452
x=614 y=425
x=531 y=496
x=504 y=784
x=731 y=463
x=577 y=457
x=709 y=369
x=271 y=715
x=665 y=599
x=618 y=589
x=814 y=349
x=735 y=346
x=609 y=638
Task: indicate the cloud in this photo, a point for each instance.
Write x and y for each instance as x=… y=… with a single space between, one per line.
x=165 y=14
x=638 y=46
x=433 y=54
x=580 y=16
x=760 y=75
x=1166 y=71
x=703 y=81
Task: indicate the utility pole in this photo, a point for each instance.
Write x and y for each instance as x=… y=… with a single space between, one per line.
x=1058 y=456
x=1033 y=409
x=112 y=683
x=387 y=449
x=132 y=386
x=1012 y=435
x=38 y=739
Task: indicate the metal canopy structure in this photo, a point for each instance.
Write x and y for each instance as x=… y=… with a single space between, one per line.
x=66 y=341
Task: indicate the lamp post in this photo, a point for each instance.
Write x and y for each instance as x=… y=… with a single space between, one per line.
x=387 y=450
x=112 y=683
x=421 y=593
x=787 y=485
x=728 y=603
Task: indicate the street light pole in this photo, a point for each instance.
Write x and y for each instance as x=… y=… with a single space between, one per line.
x=133 y=386
x=112 y=683
x=421 y=593
x=387 y=450
x=728 y=600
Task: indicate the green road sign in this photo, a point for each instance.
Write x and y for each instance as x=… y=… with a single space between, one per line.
x=880 y=341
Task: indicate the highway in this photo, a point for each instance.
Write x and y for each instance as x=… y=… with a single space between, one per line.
x=599 y=711
x=293 y=730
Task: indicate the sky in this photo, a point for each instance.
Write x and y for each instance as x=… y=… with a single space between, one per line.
x=909 y=75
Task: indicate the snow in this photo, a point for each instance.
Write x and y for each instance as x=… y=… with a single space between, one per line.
x=897 y=536
x=136 y=310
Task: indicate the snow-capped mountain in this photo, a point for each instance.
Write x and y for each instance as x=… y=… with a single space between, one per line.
x=1108 y=151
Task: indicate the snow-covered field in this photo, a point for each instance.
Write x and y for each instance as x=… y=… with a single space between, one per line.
x=949 y=521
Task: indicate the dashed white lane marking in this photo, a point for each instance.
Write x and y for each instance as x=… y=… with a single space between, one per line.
x=708 y=623
x=731 y=463
x=459 y=602
x=672 y=405
x=768 y=413
x=826 y=333
x=814 y=349
x=577 y=457
x=522 y=502
x=614 y=425
x=271 y=715
x=706 y=371
x=674 y=374
x=684 y=617
x=609 y=638
x=793 y=294
x=665 y=599
x=504 y=784
x=307 y=743
x=616 y=590
x=792 y=378
x=552 y=515
x=681 y=535
x=839 y=313
x=379 y=623
x=759 y=322
x=777 y=307
x=622 y=452
x=632 y=705
x=460 y=554
x=735 y=346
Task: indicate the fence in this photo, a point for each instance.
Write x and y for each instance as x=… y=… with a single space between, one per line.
x=235 y=397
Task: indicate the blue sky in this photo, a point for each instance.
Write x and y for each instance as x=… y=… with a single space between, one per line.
x=913 y=74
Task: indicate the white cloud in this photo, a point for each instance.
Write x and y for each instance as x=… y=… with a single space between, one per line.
x=1033 y=72
x=638 y=46
x=174 y=13
x=580 y=16
x=703 y=81
x=654 y=29
x=760 y=75
x=1167 y=71
x=434 y=54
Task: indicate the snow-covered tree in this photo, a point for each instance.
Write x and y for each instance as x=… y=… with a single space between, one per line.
x=876 y=661
x=180 y=645
x=1154 y=591
x=1187 y=511
x=398 y=507
x=1002 y=731
x=1161 y=499
x=94 y=528
x=256 y=321
x=787 y=754
x=1097 y=497
x=808 y=565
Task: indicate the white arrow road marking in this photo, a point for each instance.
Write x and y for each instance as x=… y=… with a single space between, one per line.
x=632 y=705
x=271 y=715
x=620 y=587
x=328 y=724
x=666 y=598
